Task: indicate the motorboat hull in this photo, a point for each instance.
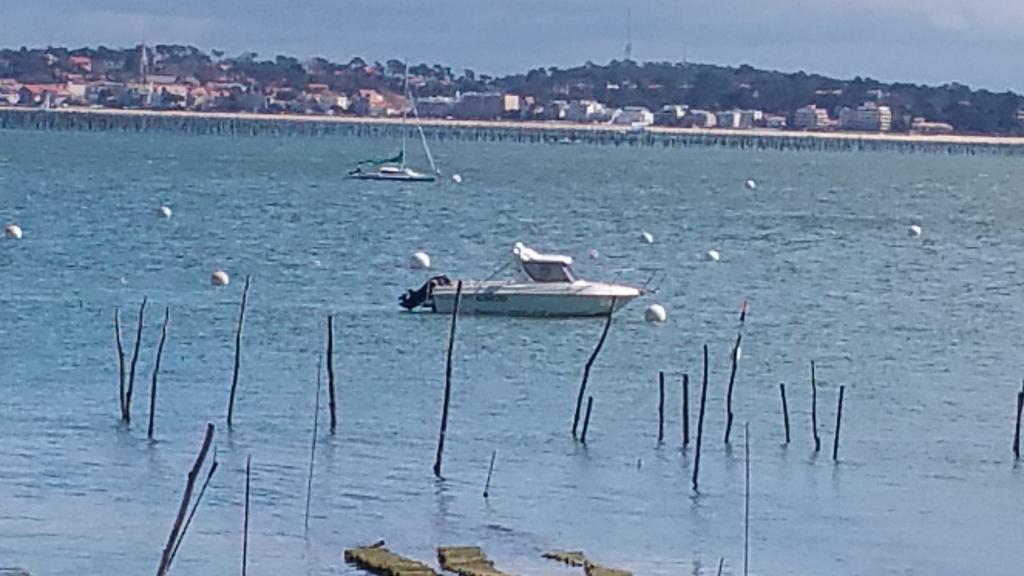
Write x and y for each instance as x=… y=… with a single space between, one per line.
x=581 y=300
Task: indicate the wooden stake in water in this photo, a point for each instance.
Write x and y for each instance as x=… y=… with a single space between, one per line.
x=586 y=368
x=721 y=564
x=785 y=409
x=490 y=470
x=1016 y=430
x=332 y=405
x=839 y=423
x=814 y=410
x=174 y=537
x=447 y=380
x=661 y=407
x=700 y=420
x=245 y=525
x=746 y=498
x=238 y=351
x=586 y=422
x=312 y=449
x=195 y=505
x=120 y=361
x=135 y=361
x=156 y=371
x=732 y=380
x=686 y=410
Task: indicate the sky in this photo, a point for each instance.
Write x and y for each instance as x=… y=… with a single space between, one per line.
x=976 y=42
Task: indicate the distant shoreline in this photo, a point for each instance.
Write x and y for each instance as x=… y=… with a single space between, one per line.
x=8 y=118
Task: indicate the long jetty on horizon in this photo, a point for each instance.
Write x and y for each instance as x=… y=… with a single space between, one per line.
x=244 y=124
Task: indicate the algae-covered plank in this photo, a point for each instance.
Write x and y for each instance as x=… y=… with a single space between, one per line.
x=467 y=561
x=574 y=558
x=383 y=562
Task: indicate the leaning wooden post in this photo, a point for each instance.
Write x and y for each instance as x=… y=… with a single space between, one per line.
x=661 y=407
x=156 y=371
x=172 y=539
x=732 y=380
x=700 y=419
x=490 y=470
x=586 y=368
x=447 y=381
x=135 y=361
x=839 y=423
x=195 y=505
x=686 y=410
x=238 y=351
x=312 y=449
x=120 y=361
x=332 y=404
x=785 y=409
x=586 y=420
x=245 y=525
x=814 y=410
x=1016 y=430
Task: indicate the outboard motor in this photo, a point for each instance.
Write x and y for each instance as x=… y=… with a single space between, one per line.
x=415 y=298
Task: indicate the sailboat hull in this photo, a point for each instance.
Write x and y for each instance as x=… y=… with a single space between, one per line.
x=394 y=177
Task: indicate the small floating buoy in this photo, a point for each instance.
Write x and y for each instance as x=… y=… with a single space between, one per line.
x=13 y=231
x=593 y=254
x=165 y=211
x=655 y=313
x=220 y=278
x=712 y=256
x=419 y=261
x=647 y=237
x=457 y=178
x=750 y=184
x=914 y=230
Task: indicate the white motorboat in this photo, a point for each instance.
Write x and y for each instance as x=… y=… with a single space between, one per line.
x=541 y=285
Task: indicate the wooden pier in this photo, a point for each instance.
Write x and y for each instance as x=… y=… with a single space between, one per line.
x=236 y=124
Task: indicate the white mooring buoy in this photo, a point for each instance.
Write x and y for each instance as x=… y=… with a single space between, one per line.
x=751 y=185
x=594 y=254
x=914 y=230
x=655 y=313
x=165 y=212
x=457 y=178
x=220 y=278
x=712 y=256
x=419 y=261
x=647 y=237
x=13 y=232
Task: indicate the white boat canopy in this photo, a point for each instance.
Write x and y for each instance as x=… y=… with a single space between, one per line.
x=533 y=266
x=525 y=254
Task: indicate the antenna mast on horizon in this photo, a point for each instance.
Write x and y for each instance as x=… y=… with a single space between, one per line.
x=629 y=34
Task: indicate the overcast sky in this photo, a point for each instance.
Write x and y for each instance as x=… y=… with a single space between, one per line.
x=979 y=42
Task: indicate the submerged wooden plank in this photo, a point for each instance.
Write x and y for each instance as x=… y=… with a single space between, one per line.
x=467 y=561
x=578 y=558
x=379 y=560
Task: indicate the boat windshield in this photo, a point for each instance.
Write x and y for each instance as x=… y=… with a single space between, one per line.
x=548 y=272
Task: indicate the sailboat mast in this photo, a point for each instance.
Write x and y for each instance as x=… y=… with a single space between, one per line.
x=405 y=111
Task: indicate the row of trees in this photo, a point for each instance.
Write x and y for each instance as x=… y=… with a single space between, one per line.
x=618 y=83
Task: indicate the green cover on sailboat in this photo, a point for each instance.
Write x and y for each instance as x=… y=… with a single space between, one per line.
x=378 y=161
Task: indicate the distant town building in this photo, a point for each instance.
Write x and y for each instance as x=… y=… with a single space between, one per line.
x=811 y=117
x=700 y=119
x=480 y=105
x=435 y=106
x=870 y=117
x=586 y=111
x=670 y=115
x=774 y=121
x=513 y=104
x=922 y=126
x=632 y=116
x=730 y=119
x=751 y=118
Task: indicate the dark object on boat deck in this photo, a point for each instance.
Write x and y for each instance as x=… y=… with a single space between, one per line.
x=415 y=298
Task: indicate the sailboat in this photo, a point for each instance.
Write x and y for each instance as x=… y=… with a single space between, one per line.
x=395 y=168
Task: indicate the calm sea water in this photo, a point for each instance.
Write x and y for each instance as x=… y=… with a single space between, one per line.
x=924 y=333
